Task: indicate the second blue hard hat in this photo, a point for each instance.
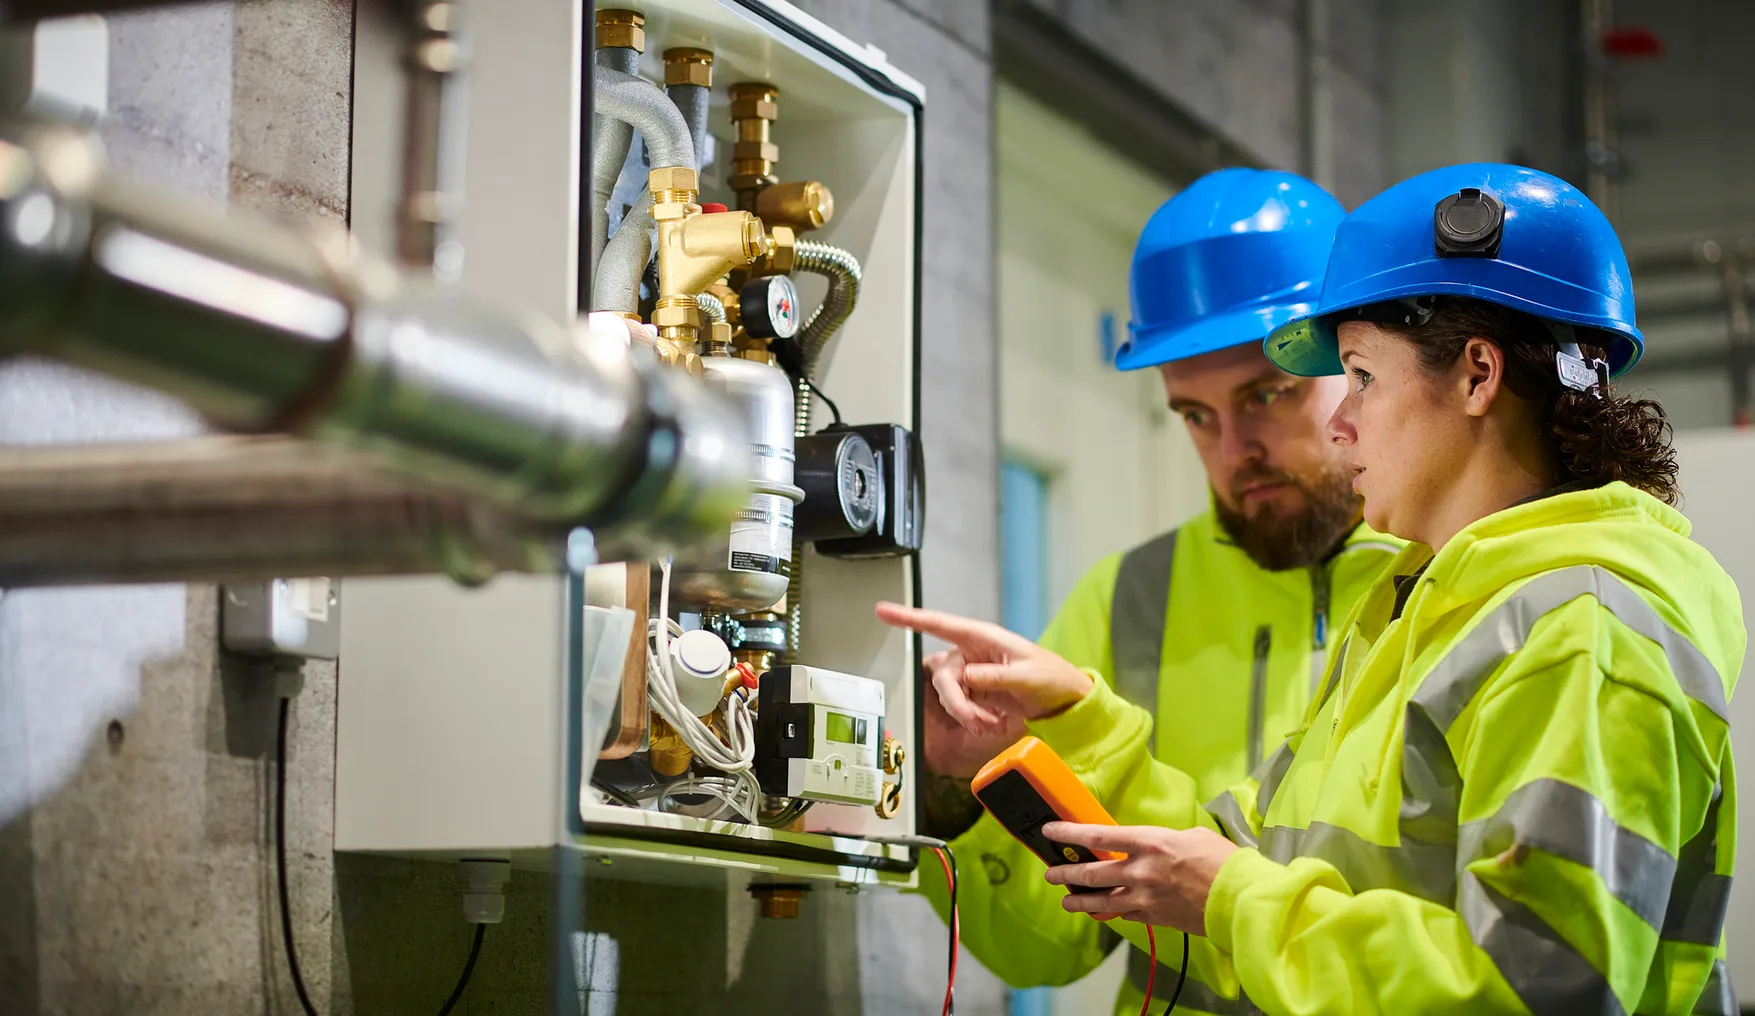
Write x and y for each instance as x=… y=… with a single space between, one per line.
x=1507 y=235
x=1237 y=254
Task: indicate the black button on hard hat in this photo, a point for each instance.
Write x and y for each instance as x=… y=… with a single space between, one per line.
x=1469 y=224
x=770 y=307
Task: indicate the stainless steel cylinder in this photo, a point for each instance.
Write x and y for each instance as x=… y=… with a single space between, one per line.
x=748 y=568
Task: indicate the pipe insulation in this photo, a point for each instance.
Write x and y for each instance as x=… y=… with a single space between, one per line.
x=643 y=106
x=842 y=270
x=610 y=140
x=616 y=286
x=691 y=101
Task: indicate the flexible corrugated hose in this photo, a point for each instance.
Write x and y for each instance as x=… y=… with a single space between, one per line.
x=842 y=270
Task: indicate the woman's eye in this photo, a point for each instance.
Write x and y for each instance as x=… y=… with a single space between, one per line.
x=1363 y=377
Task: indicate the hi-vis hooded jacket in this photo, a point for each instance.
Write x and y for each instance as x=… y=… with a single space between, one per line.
x=1513 y=794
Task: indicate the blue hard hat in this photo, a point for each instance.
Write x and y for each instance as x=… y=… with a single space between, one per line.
x=1508 y=235
x=1234 y=256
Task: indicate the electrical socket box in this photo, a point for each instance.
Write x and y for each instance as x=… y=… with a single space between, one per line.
x=457 y=729
x=282 y=617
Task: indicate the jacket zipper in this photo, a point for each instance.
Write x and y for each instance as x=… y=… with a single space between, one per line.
x=1264 y=640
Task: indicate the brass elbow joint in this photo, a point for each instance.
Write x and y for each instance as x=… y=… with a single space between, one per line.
x=695 y=248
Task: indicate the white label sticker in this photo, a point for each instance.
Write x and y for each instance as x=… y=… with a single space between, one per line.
x=761 y=540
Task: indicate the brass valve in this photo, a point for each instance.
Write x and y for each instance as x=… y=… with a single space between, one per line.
x=670 y=754
x=695 y=249
x=803 y=205
x=783 y=258
x=619 y=28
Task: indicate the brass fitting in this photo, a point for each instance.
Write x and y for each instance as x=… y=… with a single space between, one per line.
x=784 y=257
x=889 y=801
x=718 y=336
x=803 y=205
x=621 y=28
x=688 y=66
x=892 y=755
x=673 y=186
x=680 y=354
x=670 y=754
x=780 y=901
x=753 y=152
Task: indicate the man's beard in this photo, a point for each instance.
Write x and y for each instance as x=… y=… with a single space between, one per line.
x=1278 y=540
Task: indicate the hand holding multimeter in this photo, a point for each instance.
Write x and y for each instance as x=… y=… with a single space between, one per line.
x=1028 y=786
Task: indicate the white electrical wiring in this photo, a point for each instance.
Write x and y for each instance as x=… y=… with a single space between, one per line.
x=739 y=791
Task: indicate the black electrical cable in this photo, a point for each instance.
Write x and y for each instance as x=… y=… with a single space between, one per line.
x=286 y=929
x=468 y=969
x=1180 y=977
x=834 y=410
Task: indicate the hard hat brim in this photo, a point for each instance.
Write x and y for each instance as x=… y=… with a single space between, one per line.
x=1307 y=347
x=1158 y=346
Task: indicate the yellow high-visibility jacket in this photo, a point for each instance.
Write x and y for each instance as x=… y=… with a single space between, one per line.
x=1226 y=654
x=1515 y=793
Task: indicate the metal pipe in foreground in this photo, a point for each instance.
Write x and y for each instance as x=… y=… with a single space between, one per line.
x=234 y=509
x=264 y=329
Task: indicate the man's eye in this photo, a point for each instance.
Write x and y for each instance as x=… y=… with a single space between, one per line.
x=1194 y=417
x=1268 y=396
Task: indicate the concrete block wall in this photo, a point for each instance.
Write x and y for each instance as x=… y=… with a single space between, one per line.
x=1238 y=65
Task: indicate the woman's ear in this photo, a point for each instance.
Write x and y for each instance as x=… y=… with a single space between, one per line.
x=1483 y=368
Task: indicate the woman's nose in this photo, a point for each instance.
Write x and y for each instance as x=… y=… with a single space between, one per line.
x=1340 y=424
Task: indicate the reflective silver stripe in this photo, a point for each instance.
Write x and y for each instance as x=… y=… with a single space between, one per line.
x=1229 y=811
x=1699 y=897
x=1336 y=672
x=1453 y=683
x=1431 y=784
x=1426 y=870
x=1560 y=819
x=1719 y=998
x=1271 y=775
x=1196 y=997
x=1137 y=618
x=1547 y=974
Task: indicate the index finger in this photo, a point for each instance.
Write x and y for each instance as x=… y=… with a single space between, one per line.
x=1117 y=839
x=937 y=623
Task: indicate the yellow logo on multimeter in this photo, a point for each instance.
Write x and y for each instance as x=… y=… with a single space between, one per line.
x=1070 y=854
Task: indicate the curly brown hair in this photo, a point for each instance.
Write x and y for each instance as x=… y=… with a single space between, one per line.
x=1593 y=441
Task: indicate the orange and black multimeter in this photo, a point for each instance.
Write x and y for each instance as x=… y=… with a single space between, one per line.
x=1028 y=786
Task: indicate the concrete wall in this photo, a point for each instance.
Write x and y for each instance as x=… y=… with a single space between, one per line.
x=1238 y=65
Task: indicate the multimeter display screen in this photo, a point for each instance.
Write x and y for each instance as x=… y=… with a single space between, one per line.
x=840 y=728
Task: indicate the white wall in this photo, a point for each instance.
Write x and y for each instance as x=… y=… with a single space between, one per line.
x=1718 y=486
x=1121 y=466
